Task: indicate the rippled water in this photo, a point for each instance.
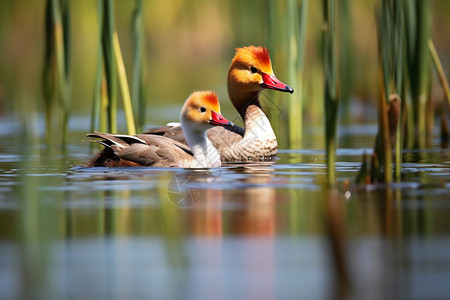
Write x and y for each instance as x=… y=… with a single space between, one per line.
x=251 y=231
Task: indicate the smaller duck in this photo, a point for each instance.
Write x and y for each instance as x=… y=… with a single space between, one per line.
x=200 y=112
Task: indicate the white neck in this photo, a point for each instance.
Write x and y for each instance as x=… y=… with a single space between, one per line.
x=205 y=154
x=257 y=125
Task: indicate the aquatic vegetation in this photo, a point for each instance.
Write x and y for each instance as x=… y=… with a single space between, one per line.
x=110 y=69
x=391 y=51
x=444 y=82
x=418 y=32
x=331 y=87
x=296 y=24
x=241 y=229
x=139 y=77
x=56 y=77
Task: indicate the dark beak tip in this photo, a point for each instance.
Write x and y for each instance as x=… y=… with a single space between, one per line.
x=289 y=89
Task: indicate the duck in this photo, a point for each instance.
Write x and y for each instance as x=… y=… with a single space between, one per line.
x=250 y=73
x=200 y=112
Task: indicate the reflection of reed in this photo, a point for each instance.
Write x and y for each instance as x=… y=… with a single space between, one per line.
x=335 y=218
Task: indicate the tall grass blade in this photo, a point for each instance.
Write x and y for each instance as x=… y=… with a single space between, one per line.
x=65 y=71
x=385 y=43
x=439 y=69
x=275 y=11
x=110 y=68
x=97 y=103
x=137 y=92
x=399 y=54
x=418 y=28
x=128 y=109
x=384 y=148
x=331 y=97
x=296 y=27
x=48 y=76
x=391 y=51
x=291 y=64
x=346 y=59
x=110 y=63
x=57 y=71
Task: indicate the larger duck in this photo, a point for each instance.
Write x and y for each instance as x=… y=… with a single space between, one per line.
x=200 y=112
x=250 y=73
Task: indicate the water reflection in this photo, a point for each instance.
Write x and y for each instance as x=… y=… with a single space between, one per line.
x=242 y=231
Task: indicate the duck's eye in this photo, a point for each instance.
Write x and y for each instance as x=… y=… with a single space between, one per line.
x=253 y=69
x=202 y=109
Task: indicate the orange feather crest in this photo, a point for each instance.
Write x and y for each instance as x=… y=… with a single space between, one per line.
x=209 y=99
x=260 y=54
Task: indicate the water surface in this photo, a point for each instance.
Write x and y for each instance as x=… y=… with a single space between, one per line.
x=250 y=231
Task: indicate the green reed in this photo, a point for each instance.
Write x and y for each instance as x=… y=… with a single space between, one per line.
x=286 y=27
x=418 y=32
x=276 y=34
x=108 y=30
x=56 y=77
x=296 y=17
x=391 y=52
x=110 y=71
x=331 y=87
x=127 y=106
x=440 y=70
x=98 y=112
x=138 y=87
x=444 y=83
x=404 y=71
x=346 y=58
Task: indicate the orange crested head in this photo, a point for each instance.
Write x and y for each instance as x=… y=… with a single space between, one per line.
x=211 y=100
x=201 y=109
x=251 y=55
x=199 y=99
x=251 y=72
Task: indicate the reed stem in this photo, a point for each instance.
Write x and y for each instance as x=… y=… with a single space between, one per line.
x=386 y=148
x=391 y=51
x=417 y=20
x=292 y=58
x=331 y=99
x=96 y=113
x=110 y=63
x=128 y=109
x=138 y=97
x=296 y=26
x=440 y=70
x=57 y=71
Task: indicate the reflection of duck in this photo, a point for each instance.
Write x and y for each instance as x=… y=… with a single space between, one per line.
x=250 y=72
x=247 y=190
x=200 y=111
x=257 y=200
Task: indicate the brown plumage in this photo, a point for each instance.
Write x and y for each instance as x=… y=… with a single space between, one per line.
x=142 y=150
x=219 y=136
x=200 y=111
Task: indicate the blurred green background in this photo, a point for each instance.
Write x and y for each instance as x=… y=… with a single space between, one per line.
x=189 y=45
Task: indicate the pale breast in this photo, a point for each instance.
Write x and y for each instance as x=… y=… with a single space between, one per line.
x=259 y=142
